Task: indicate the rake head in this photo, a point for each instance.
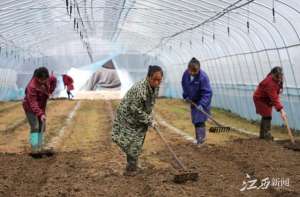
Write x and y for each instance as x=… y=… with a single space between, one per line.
x=294 y=147
x=219 y=129
x=185 y=176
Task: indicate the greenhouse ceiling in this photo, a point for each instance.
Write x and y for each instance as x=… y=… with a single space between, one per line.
x=93 y=27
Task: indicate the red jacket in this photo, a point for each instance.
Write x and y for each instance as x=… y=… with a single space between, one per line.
x=37 y=94
x=267 y=95
x=68 y=81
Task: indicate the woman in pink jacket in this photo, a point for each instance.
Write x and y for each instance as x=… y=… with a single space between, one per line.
x=37 y=92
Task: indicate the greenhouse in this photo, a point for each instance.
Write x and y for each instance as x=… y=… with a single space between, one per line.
x=149 y=98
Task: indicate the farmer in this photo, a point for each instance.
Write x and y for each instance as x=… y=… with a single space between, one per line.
x=37 y=92
x=134 y=116
x=265 y=97
x=196 y=88
x=68 y=84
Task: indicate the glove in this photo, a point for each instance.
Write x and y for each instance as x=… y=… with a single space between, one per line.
x=283 y=114
x=43 y=118
x=188 y=100
x=199 y=107
x=154 y=124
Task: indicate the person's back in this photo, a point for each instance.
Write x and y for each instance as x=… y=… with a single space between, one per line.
x=267 y=87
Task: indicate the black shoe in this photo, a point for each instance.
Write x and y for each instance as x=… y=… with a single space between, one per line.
x=131 y=170
x=266 y=136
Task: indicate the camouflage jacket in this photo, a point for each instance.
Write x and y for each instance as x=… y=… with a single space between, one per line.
x=134 y=111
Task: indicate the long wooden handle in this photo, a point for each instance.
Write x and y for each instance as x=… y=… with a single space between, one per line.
x=43 y=128
x=170 y=149
x=204 y=112
x=289 y=131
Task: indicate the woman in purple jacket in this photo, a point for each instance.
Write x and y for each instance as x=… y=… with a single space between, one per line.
x=196 y=88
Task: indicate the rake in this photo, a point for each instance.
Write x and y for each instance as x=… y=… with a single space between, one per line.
x=217 y=129
x=293 y=145
x=184 y=174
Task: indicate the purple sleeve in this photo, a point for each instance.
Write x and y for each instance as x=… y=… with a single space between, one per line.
x=206 y=92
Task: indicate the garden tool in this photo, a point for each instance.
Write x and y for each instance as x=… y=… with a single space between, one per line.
x=217 y=129
x=183 y=175
x=294 y=146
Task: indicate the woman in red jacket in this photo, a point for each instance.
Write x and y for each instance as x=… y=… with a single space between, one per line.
x=37 y=92
x=265 y=97
x=68 y=83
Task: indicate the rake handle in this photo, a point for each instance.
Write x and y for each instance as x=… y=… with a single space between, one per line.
x=170 y=149
x=289 y=130
x=204 y=112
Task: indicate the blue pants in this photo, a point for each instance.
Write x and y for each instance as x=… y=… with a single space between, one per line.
x=200 y=132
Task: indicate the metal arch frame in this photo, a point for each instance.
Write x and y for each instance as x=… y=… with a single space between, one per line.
x=279 y=33
x=221 y=75
x=217 y=74
x=27 y=14
x=117 y=33
x=287 y=20
x=219 y=64
x=221 y=50
x=283 y=3
x=227 y=50
x=238 y=21
x=271 y=36
x=286 y=49
x=255 y=32
x=214 y=5
x=23 y=16
x=246 y=41
x=201 y=24
x=238 y=60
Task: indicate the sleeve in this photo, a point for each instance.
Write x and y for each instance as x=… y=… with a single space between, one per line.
x=136 y=107
x=184 y=84
x=33 y=102
x=206 y=92
x=274 y=96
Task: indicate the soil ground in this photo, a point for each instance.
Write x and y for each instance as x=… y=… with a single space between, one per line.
x=87 y=163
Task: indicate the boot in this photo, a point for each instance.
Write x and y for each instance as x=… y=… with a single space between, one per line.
x=34 y=141
x=200 y=135
x=265 y=127
x=131 y=167
x=40 y=140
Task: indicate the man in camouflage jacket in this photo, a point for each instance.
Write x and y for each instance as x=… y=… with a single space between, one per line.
x=134 y=116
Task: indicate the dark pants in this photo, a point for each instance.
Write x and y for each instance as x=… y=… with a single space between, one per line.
x=69 y=94
x=36 y=125
x=265 y=127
